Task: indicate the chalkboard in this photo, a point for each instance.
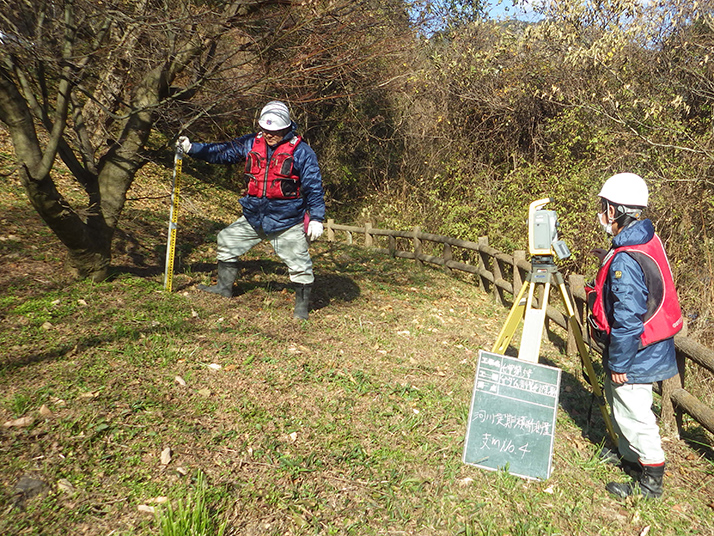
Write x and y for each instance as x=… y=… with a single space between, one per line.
x=512 y=416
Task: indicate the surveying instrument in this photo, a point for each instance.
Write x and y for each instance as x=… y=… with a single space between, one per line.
x=543 y=243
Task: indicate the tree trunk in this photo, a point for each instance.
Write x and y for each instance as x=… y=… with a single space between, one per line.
x=87 y=239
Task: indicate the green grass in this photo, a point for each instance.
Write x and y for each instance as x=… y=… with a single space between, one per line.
x=350 y=424
x=191 y=517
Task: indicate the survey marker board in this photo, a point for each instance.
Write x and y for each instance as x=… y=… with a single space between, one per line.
x=512 y=416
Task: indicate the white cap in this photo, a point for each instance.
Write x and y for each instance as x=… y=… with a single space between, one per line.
x=625 y=189
x=275 y=116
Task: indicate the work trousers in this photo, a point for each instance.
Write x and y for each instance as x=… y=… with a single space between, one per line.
x=635 y=422
x=290 y=245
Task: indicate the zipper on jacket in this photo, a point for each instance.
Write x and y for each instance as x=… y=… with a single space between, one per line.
x=267 y=167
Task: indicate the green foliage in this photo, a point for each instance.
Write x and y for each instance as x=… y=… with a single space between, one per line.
x=497 y=115
x=192 y=517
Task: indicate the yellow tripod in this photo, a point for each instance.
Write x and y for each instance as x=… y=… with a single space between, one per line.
x=544 y=272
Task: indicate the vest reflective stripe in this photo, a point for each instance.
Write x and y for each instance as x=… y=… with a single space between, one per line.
x=663 y=318
x=274 y=178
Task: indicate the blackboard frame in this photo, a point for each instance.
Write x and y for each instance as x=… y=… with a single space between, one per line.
x=512 y=416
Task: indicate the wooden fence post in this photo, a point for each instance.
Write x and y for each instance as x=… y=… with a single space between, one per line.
x=392 y=245
x=330 y=230
x=497 y=291
x=417 y=246
x=670 y=417
x=367 y=234
x=518 y=255
x=483 y=282
x=447 y=255
x=574 y=281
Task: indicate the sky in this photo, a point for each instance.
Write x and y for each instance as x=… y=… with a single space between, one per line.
x=504 y=9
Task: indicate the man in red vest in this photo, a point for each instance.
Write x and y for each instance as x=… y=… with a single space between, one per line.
x=284 y=201
x=635 y=315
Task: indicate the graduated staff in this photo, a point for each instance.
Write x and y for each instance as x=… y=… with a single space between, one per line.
x=284 y=190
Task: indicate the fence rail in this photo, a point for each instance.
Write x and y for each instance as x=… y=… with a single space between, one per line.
x=504 y=274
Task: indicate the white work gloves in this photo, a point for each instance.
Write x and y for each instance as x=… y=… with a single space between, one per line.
x=314 y=230
x=183 y=144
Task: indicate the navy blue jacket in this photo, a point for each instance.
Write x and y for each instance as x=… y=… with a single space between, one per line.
x=272 y=215
x=625 y=298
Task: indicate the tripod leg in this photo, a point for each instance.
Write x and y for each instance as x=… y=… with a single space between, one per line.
x=514 y=318
x=585 y=357
x=533 y=324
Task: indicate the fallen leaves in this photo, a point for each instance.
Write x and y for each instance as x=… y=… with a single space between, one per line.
x=146 y=509
x=166 y=456
x=65 y=486
x=22 y=422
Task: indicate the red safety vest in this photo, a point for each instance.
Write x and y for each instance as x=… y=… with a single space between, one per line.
x=274 y=178
x=663 y=318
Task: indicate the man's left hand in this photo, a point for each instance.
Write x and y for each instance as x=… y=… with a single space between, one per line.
x=314 y=230
x=618 y=377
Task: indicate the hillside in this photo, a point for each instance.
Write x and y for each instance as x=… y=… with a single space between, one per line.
x=352 y=423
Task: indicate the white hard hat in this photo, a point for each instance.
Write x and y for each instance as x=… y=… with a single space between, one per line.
x=625 y=189
x=275 y=116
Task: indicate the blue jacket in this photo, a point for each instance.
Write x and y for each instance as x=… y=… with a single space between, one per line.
x=272 y=215
x=625 y=297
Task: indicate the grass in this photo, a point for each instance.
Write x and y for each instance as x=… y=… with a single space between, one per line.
x=192 y=518
x=350 y=424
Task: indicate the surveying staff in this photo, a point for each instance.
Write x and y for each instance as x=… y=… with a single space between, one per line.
x=635 y=314
x=284 y=184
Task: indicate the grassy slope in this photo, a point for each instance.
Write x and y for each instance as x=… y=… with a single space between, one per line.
x=350 y=424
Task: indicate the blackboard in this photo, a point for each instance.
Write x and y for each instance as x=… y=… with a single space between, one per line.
x=512 y=416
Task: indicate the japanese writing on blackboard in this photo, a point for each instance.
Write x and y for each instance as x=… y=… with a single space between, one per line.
x=503 y=445
x=512 y=416
x=513 y=421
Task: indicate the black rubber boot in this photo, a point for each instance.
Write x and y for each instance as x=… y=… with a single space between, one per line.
x=227 y=272
x=633 y=469
x=650 y=484
x=302 y=301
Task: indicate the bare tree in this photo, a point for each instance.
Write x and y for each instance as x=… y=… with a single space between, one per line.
x=88 y=81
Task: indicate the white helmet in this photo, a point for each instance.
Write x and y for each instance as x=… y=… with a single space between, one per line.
x=275 y=116
x=625 y=189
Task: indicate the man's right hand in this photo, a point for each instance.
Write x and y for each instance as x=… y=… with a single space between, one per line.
x=183 y=144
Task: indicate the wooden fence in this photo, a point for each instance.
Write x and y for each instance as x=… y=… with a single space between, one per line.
x=503 y=275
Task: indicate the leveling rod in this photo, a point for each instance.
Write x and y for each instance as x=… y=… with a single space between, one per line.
x=173 y=221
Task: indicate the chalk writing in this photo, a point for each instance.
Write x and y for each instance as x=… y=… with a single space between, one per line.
x=530 y=386
x=513 y=422
x=516 y=370
x=507 y=445
x=512 y=417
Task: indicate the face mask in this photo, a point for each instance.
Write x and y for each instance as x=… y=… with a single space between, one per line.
x=606 y=227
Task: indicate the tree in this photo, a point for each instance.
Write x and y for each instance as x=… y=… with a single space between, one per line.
x=89 y=81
